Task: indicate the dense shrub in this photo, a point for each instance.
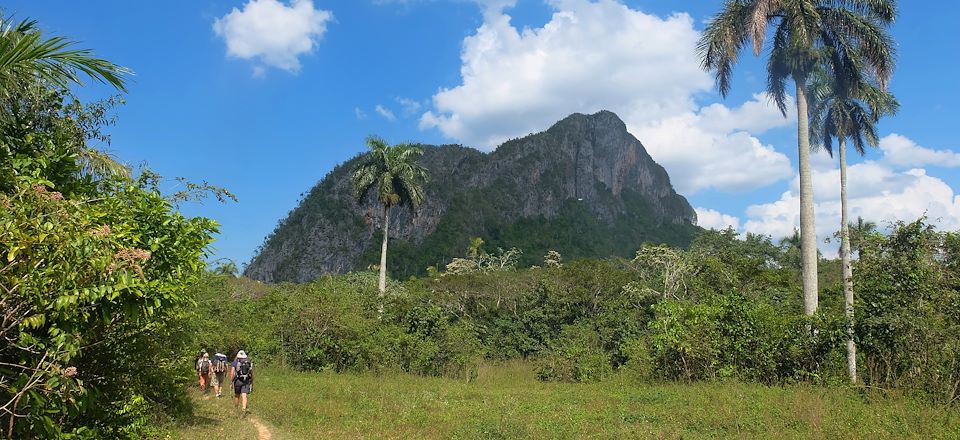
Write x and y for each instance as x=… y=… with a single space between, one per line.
x=93 y=288
x=729 y=307
x=908 y=310
x=733 y=336
x=334 y=324
x=576 y=356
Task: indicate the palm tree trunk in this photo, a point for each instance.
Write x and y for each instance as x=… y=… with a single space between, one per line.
x=808 y=232
x=383 y=250
x=845 y=263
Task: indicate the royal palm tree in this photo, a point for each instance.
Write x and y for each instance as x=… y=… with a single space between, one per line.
x=395 y=178
x=847 y=105
x=801 y=29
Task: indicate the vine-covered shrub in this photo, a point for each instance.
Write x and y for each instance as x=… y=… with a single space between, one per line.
x=576 y=356
x=91 y=289
x=734 y=336
x=908 y=310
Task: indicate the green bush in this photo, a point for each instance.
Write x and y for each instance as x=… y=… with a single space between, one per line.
x=93 y=289
x=908 y=310
x=577 y=356
x=334 y=324
x=734 y=336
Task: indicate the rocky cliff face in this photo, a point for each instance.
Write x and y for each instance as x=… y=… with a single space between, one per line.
x=585 y=186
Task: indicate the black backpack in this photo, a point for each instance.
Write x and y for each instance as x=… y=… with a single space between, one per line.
x=244 y=370
x=204 y=366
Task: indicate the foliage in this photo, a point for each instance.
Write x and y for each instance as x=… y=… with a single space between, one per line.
x=908 y=316
x=390 y=173
x=27 y=55
x=88 y=284
x=576 y=356
x=333 y=324
x=47 y=137
x=478 y=260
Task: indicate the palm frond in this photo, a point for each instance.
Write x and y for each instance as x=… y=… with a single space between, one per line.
x=25 y=52
x=722 y=40
x=101 y=164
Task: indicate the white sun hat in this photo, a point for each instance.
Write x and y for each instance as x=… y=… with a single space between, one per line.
x=241 y=354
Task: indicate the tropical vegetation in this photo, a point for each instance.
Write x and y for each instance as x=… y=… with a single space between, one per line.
x=96 y=264
x=106 y=291
x=807 y=35
x=847 y=106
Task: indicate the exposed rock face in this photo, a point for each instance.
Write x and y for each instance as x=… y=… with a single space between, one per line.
x=586 y=169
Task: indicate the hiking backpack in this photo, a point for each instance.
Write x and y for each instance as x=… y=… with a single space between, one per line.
x=244 y=369
x=220 y=364
x=204 y=366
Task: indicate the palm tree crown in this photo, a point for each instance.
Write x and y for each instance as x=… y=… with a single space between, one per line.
x=845 y=106
x=801 y=29
x=392 y=173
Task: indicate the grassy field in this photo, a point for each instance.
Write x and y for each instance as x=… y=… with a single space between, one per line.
x=508 y=402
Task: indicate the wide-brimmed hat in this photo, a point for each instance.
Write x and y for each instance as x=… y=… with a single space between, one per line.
x=241 y=354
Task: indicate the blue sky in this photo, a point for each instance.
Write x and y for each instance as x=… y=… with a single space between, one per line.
x=265 y=97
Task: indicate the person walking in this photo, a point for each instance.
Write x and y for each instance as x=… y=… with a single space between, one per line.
x=241 y=375
x=220 y=366
x=196 y=363
x=203 y=371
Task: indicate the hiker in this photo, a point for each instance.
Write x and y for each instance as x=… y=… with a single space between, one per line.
x=241 y=375
x=219 y=372
x=196 y=363
x=203 y=371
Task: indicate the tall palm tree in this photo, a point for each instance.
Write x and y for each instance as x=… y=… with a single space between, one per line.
x=26 y=53
x=801 y=29
x=847 y=105
x=394 y=176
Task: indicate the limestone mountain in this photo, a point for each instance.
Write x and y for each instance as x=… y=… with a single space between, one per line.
x=585 y=187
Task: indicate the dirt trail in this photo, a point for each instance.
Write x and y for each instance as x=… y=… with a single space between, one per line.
x=262 y=432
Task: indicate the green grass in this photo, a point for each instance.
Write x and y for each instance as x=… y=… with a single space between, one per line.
x=508 y=402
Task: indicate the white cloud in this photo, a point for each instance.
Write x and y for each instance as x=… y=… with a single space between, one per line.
x=710 y=148
x=272 y=33
x=360 y=113
x=515 y=81
x=875 y=192
x=410 y=106
x=899 y=150
x=385 y=112
x=605 y=55
x=712 y=219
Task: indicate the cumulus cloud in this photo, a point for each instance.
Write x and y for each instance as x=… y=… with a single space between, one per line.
x=901 y=151
x=515 y=81
x=385 y=112
x=875 y=192
x=360 y=113
x=604 y=55
x=708 y=148
x=271 y=33
x=712 y=219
